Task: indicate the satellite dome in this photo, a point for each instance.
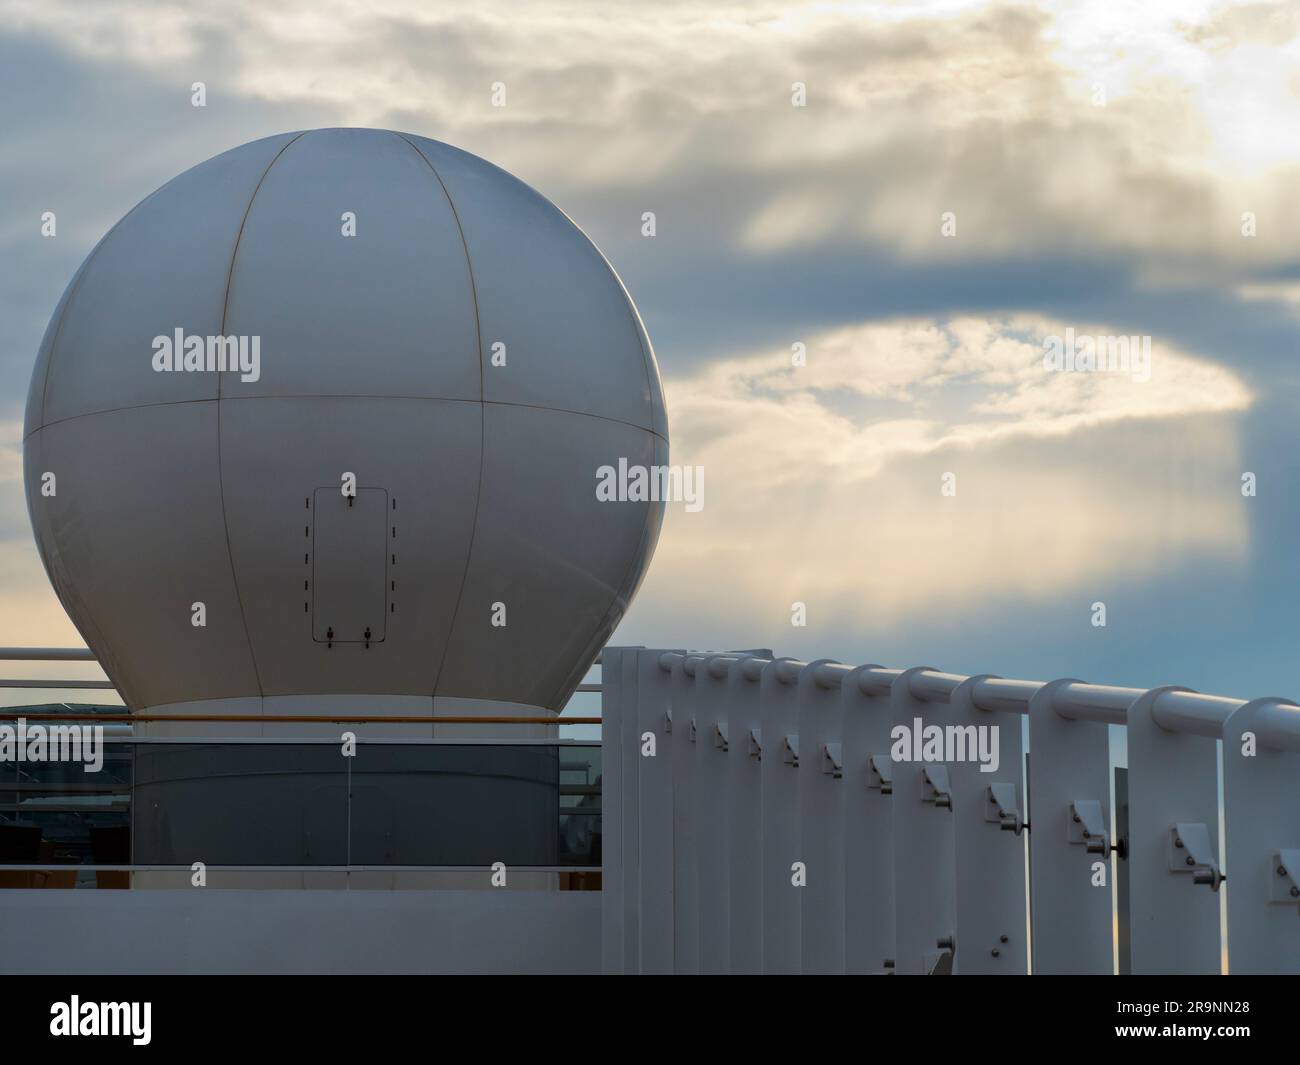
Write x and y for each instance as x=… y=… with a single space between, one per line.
x=319 y=306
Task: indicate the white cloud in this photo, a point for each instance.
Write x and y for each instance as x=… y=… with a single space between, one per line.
x=914 y=109
x=827 y=478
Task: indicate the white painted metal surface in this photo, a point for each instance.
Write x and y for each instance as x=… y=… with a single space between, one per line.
x=839 y=855
x=782 y=906
x=989 y=843
x=868 y=825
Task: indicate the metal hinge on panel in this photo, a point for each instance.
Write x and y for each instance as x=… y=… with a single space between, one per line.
x=831 y=761
x=939 y=962
x=1087 y=825
x=1000 y=807
x=880 y=774
x=1192 y=851
x=1284 y=881
x=691 y=732
x=935 y=788
x=756 y=743
x=792 y=750
x=720 y=738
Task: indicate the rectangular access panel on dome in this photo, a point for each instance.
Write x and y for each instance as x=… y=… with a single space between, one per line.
x=349 y=565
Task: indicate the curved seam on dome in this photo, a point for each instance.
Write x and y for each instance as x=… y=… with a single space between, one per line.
x=576 y=413
x=56 y=572
x=570 y=682
x=49 y=364
x=638 y=327
x=482 y=449
x=76 y=280
x=642 y=337
x=76 y=286
x=312 y=395
x=221 y=478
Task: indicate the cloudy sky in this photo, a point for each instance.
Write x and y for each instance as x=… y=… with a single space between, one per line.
x=1112 y=169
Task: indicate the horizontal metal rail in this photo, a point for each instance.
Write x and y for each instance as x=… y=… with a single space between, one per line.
x=105 y=685
x=1176 y=711
x=298 y=719
x=77 y=654
x=47 y=654
x=100 y=685
x=67 y=867
x=126 y=739
x=129 y=740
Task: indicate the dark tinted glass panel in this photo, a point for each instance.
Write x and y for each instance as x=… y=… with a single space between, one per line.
x=240 y=804
x=391 y=804
x=60 y=813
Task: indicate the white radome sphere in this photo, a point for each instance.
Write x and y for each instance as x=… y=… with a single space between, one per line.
x=475 y=481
